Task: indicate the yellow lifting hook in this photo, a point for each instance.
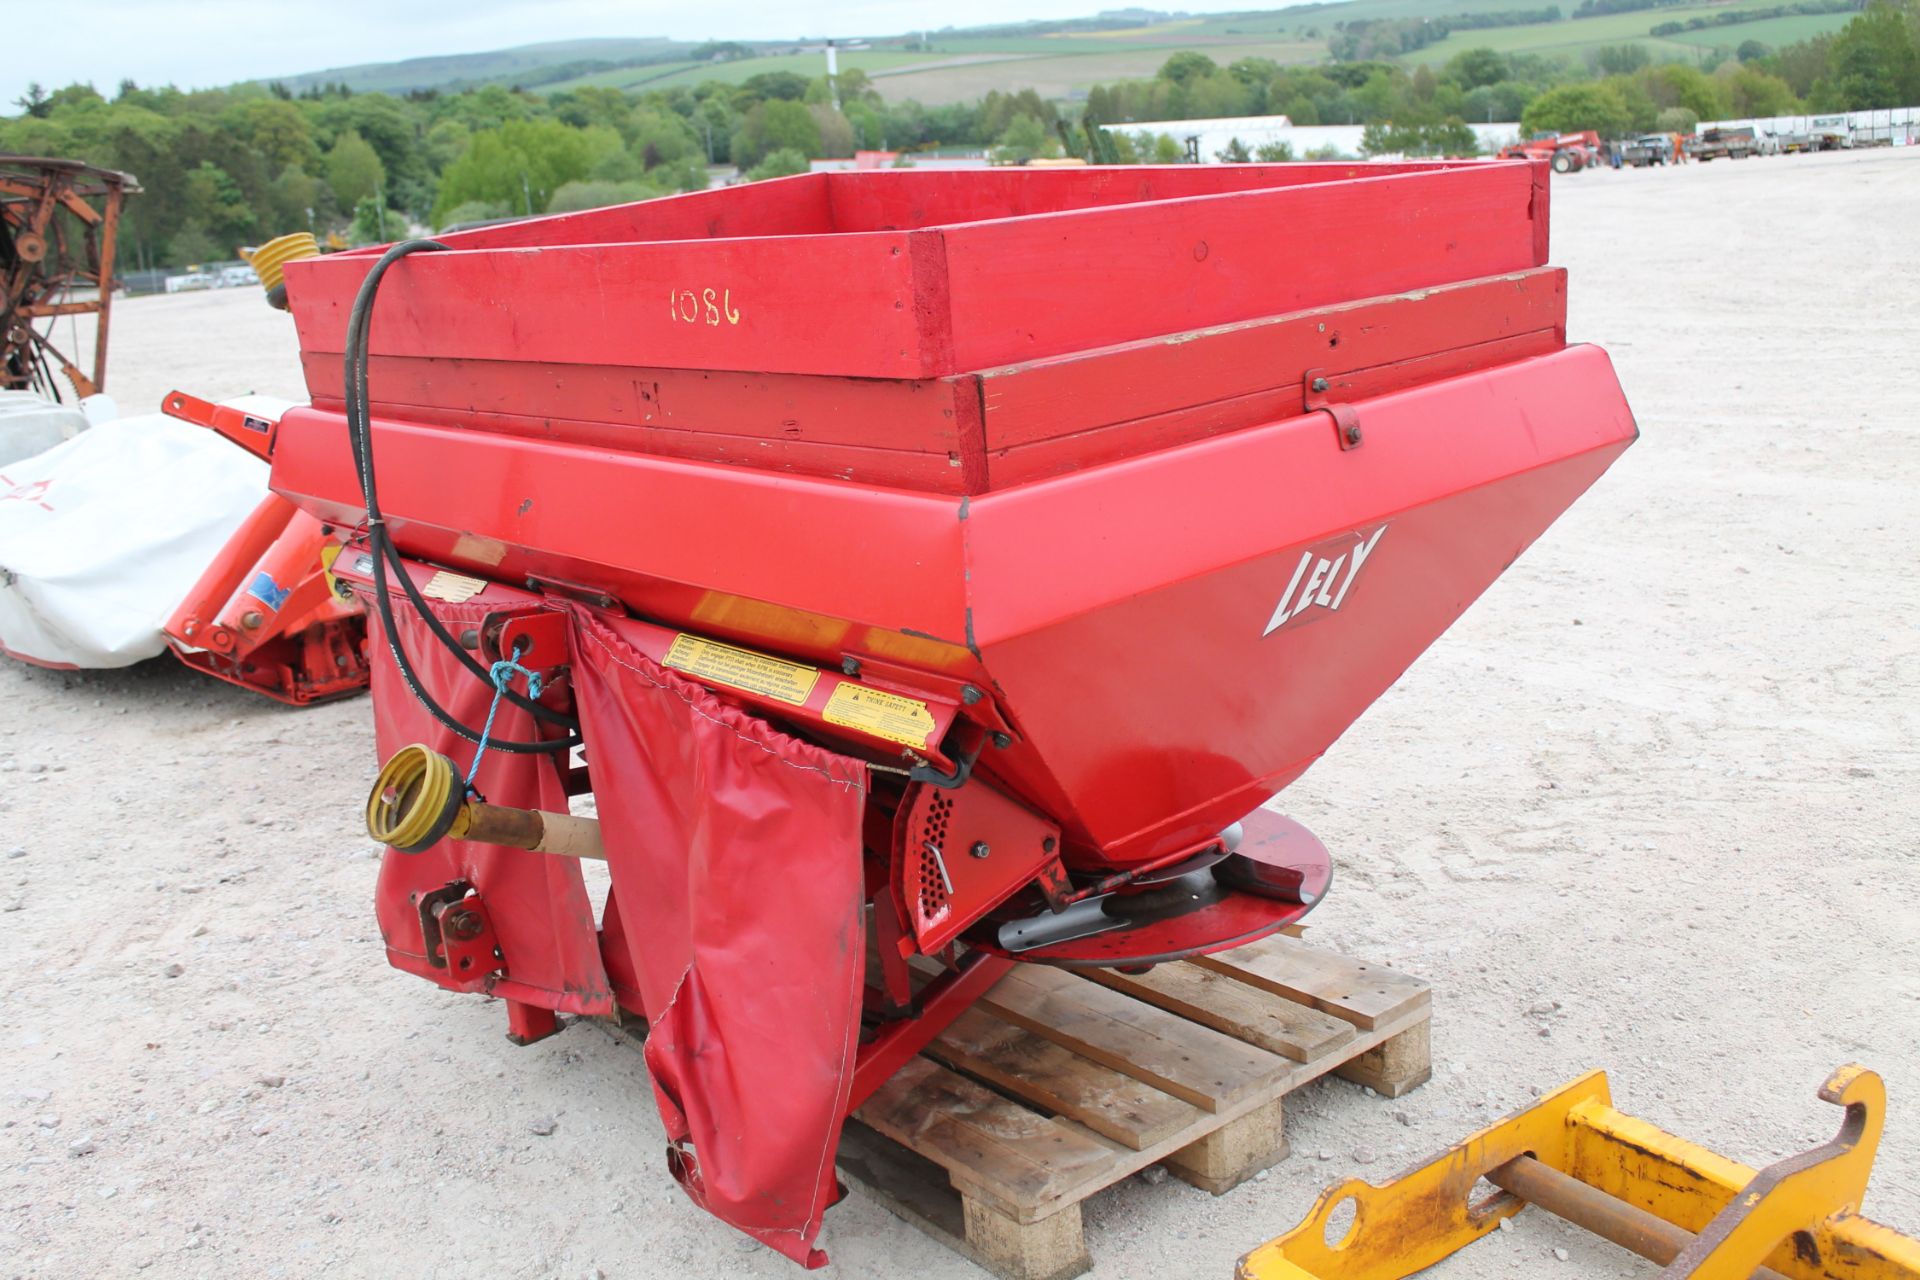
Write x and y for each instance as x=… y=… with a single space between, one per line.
x=1699 y=1215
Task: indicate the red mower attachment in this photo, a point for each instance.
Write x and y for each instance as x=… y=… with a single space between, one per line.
x=939 y=570
x=266 y=615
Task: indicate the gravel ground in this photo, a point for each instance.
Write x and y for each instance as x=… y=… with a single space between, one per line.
x=1663 y=776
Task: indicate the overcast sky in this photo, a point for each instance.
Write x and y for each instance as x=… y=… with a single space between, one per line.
x=200 y=43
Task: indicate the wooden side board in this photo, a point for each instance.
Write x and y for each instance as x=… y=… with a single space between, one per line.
x=1031 y=1103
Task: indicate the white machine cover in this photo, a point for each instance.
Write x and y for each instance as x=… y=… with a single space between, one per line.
x=101 y=537
x=30 y=425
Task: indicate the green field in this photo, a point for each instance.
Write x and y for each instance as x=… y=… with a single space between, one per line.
x=1576 y=36
x=666 y=74
x=963 y=70
x=495 y=66
x=958 y=66
x=1772 y=32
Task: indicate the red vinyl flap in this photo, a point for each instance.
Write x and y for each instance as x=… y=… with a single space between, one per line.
x=735 y=857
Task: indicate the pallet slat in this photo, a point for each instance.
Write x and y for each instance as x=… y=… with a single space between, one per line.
x=982 y=1138
x=1054 y=1077
x=1246 y=1013
x=1206 y=1068
x=1365 y=995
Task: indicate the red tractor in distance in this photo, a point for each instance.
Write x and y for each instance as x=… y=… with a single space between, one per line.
x=1566 y=152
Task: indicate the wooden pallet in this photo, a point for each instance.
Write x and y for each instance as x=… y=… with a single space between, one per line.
x=1057 y=1085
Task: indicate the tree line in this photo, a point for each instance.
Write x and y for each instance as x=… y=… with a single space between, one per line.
x=227 y=167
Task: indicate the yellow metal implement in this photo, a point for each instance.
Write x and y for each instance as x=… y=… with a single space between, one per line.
x=1702 y=1217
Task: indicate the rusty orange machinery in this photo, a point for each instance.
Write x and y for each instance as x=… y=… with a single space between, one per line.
x=267 y=615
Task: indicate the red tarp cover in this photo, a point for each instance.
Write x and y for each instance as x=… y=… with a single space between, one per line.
x=735 y=857
x=539 y=907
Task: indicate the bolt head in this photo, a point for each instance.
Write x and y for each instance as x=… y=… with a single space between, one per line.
x=462 y=925
x=1320 y=384
x=980 y=849
x=970 y=695
x=850 y=666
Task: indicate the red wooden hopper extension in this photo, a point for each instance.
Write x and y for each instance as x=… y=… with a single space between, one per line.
x=942 y=565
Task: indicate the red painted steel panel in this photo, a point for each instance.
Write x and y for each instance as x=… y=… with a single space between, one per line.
x=1086 y=390
x=1132 y=655
x=1043 y=458
x=779 y=304
x=882 y=557
x=1111 y=275
x=914 y=198
x=873 y=412
x=1036 y=264
x=795 y=206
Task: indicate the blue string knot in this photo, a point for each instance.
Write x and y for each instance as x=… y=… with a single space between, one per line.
x=501 y=674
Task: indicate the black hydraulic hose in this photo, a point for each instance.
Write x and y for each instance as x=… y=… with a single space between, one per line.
x=360 y=439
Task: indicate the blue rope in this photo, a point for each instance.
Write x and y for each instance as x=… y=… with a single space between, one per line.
x=502 y=674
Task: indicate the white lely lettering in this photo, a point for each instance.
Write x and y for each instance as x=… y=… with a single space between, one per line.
x=1361 y=550
x=1280 y=613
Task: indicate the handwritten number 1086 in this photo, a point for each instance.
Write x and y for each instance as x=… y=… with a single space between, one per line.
x=710 y=305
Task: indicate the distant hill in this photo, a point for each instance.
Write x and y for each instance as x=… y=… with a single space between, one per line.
x=526 y=64
x=1061 y=58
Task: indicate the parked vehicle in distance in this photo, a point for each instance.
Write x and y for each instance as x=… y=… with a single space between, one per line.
x=1830 y=133
x=231 y=277
x=1648 y=149
x=1566 y=152
x=1735 y=143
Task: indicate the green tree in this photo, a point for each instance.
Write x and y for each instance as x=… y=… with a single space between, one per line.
x=779 y=164
x=296 y=201
x=354 y=170
x=1676 y=120
x=374 y=223
x=522 y=163
x=572 y=197
x=1024 y=139
x=836 y=133
x=1473 y=68
x=34 y=101
x=782 y=85
x=276 y=129
x=775 y=125
x=1574 y=107
x=1620 y=59
x=215 y=202
x=191 y=246
x=1274 y=153
x=1753 y=93
x=1187 y=66
x=1874 y=62
x=473 y=211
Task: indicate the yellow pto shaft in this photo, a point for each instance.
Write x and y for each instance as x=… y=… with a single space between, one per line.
x=418 y=801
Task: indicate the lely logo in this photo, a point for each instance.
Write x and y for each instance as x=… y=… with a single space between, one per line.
x=1323 y=578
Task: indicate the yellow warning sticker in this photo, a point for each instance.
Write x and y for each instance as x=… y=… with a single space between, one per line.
x=882 y=714
x=329 y=552
x=742 y=669
x=454 y=588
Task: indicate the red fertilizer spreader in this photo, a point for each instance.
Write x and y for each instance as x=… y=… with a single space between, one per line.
x=925 y=573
